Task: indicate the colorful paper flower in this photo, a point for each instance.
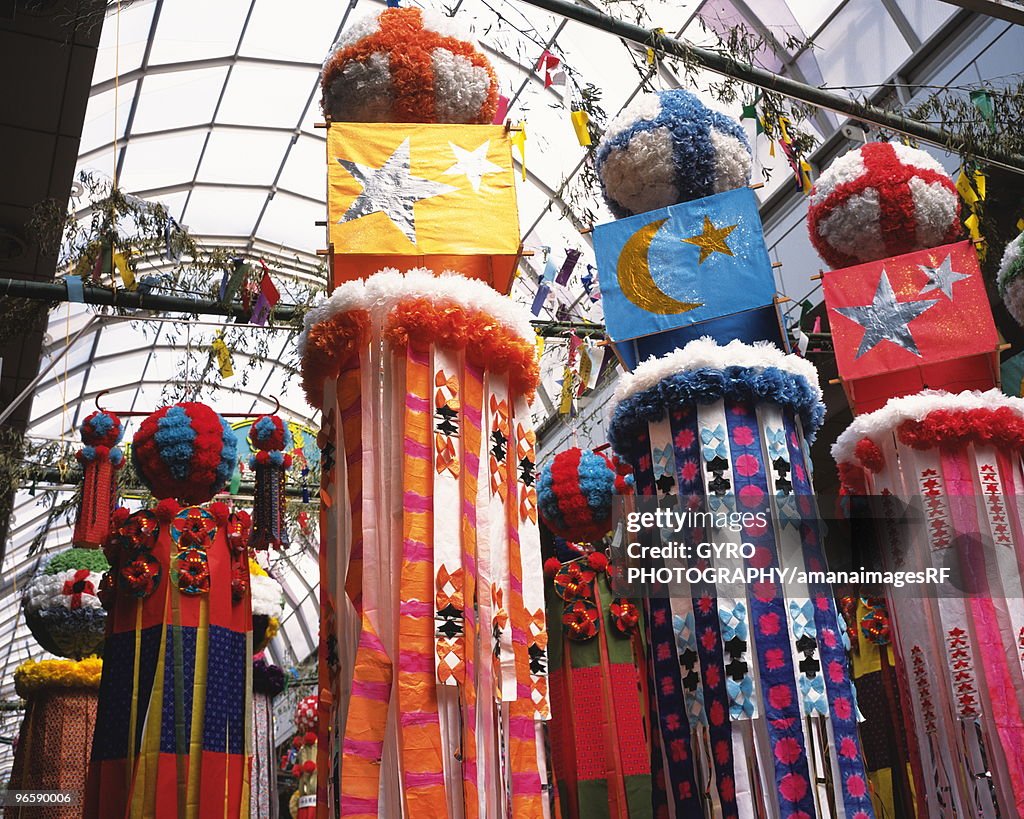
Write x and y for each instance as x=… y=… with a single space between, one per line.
x=580 y=620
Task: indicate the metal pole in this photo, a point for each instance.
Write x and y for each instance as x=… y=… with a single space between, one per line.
x=132 y=300
x=730 y=67
x=55 y=291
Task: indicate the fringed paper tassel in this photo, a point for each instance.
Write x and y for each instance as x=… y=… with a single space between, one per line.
x=271 y=439
x=100 y=458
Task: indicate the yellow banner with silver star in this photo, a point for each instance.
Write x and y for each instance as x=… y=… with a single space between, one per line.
x=409 y=195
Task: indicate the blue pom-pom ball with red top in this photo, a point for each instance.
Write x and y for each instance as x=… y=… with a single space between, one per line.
x=575 y=491
x=186 y=451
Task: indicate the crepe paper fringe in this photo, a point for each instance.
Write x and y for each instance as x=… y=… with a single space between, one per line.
x=429 y=72
x=378 y=294
x=420 y=308
x=422 y=322
x=931 y=418
x=706 y=385
x=31 y=676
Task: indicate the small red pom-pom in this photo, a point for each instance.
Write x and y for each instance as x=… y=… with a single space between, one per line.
x=296 y=771
x=310 y=738
x=120 y=515
x=102 y=452
x=551 y=566
x=220 y=512
x=598 y=561
x=869 y=454
x=297 y=741
x=309 y=766
x=166 y=510
x=287 y=461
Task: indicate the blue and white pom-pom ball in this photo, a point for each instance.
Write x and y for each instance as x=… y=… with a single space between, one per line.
x=668 y=148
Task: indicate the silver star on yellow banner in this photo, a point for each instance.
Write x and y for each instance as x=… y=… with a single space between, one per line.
x=392 y=190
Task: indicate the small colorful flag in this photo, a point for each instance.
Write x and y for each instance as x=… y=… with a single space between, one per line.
x=224 y=363
x=265 y=301
x=571 y=257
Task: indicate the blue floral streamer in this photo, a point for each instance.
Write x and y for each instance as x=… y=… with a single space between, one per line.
x=706 y=627
x=835 y=674
x=793 y=783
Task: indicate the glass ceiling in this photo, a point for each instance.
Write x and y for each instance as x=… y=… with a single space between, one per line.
x=211 y=108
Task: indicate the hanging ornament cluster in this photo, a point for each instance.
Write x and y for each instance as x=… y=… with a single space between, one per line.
x=407 y=65
x=100 y=458
x=882 y=199
x=667 y=148
x=271 y=440
x=575 y=491
x=1011 y=278
x=61 y=604
x=304 y=768
x=179 y=629
x=186 y=451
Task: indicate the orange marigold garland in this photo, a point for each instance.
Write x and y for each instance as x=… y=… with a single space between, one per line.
x=330 y=345
x=487 y=342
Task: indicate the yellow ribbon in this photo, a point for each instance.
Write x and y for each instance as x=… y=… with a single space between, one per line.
x=579 y=123
x=225 y=365
x=518 y=138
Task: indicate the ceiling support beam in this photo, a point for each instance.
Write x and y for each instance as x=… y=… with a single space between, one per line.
x=1011 y=12
x=727 y=66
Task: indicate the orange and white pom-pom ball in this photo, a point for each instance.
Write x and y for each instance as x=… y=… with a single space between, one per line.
x=880 y=200
x=407 y=65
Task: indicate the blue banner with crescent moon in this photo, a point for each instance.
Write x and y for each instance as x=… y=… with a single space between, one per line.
x=683 y=265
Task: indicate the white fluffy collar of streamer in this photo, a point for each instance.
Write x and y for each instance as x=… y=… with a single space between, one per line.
x=876 y=425
x=705 y=352
x=380 y=292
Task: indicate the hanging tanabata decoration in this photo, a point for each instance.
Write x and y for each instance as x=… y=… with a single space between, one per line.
x=675 y=171
x=597 y=686
x=63 y=611
x=172 y=735
x=411 y=181
x=272 y=442
x=267 y=682
x=304 y=770
x=432 y=591
x=752 y=705
x=955 y=461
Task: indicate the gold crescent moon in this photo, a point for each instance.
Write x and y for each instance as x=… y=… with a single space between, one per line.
x=634 y=272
